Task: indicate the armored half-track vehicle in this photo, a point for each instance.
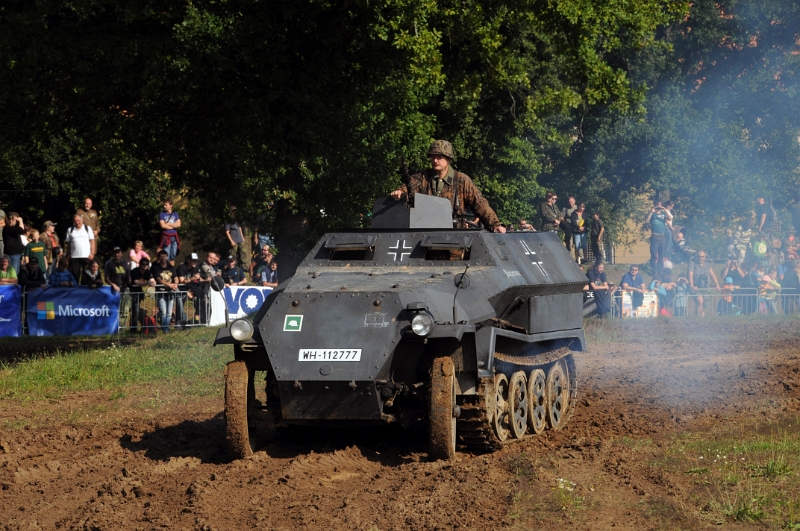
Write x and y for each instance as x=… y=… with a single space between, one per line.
x=413 y=321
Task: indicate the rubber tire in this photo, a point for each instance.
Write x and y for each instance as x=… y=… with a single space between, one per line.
x=500 y=414
x=537 y=401
x=557 y=396
x=239 y=431
x=518 y=385
x=442 y=409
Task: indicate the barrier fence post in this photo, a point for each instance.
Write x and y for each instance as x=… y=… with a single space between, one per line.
x=24 y=310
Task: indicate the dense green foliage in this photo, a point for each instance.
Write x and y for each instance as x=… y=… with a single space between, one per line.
x=310 y=105
x=720 y=124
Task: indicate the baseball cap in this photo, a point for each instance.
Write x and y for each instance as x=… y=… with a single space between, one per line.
x=33 y=260
x=194 y=256
x=231 y=258
x=728 y=280
x=116 y=250
x=49 y=224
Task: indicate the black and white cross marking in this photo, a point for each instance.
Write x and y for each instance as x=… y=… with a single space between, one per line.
x=527 y=249
x=530 y=252
x=399 y=250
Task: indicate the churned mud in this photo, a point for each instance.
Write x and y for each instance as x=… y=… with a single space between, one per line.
x=641 y=387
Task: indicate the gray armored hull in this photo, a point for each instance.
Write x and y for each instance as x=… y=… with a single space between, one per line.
x=420 y=326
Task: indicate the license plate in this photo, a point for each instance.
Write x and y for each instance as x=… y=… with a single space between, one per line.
x=326 y=354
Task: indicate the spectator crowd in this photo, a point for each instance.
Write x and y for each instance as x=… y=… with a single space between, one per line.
x=761 y=271
x=581 y=230
x=762 y=262
x=39 y=260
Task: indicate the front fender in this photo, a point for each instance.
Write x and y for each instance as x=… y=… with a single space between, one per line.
x=224 y=337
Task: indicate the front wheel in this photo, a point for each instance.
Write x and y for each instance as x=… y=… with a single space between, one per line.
x=443 y=409
x=240 y=436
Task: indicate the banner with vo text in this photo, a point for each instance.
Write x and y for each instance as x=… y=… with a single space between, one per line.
x=10 y=311
x=244 y=300
x=73 y=312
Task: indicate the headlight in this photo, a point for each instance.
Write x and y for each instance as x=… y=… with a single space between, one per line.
x=241 y=330
x=421 y=324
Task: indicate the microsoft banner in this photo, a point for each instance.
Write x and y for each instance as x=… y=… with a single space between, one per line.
x=10 y=311
x=73 y=312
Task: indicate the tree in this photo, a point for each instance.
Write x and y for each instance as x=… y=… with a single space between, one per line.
x=720 y=124
x=307 y=105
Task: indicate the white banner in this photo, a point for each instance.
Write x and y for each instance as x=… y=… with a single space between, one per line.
x=649 y=307
x=217 y=317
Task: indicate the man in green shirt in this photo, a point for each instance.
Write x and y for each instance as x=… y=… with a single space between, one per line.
x=7 y=273
x=35 y=248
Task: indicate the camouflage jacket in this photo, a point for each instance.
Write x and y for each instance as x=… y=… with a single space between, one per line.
x=469 y=197
x=550 y=213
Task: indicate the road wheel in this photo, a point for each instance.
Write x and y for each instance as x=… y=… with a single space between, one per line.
x=537 y=401
x=518 y=404
x=240 y=436
x=572 y=377
x=500 y=421
x=557 y=396
x=443 y=410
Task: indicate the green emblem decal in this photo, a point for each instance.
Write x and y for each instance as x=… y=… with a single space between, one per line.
x=293 y=323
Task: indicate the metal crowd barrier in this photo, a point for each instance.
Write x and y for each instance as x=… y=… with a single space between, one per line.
x=144 y=311
x=703 y=303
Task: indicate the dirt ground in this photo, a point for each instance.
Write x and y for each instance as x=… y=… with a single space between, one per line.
x=645 y=387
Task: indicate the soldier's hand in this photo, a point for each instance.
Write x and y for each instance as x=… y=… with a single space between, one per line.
x=501 y=229
x=397 y=194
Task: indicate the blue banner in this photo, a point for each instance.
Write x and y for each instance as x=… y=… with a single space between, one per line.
x=243 y=300
x=10 y=310
x=73 y=312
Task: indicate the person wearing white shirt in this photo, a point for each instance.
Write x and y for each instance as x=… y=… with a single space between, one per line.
x=81 y=246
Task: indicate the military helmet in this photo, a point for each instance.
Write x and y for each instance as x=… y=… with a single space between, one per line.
x=441 y=147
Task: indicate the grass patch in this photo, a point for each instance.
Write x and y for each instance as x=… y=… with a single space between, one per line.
x=534 y=499
x=667 y=515
x=772 y=469
x=745 y=510
x=632 y=442
x=747 y=470
x=185 y=360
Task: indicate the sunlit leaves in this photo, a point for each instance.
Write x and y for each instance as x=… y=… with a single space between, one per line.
x=308 y=105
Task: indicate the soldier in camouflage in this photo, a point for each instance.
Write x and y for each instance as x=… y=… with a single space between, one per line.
x=441 y=180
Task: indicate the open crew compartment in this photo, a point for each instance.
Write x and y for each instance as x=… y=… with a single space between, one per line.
x=348 y=247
